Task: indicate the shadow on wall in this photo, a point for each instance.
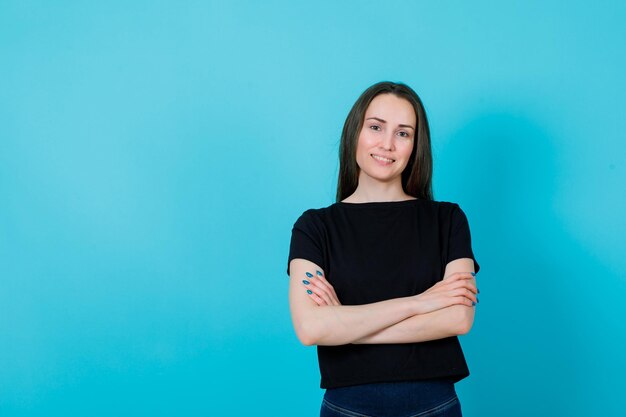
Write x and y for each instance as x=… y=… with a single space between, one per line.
x=549 y=318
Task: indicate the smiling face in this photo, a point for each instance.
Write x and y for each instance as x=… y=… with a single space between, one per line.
x=386 y=139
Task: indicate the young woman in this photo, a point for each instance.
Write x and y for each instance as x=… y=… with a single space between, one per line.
x=382 y=281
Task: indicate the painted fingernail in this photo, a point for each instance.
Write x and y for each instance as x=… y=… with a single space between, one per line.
x=478 y=290
x=473 y=274
x=473 y=304
x=319 y=273
x=310 y=275
x=305 y=282
x=477 y=299
x=309 y=292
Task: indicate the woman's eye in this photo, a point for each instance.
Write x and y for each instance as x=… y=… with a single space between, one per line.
x=403 y=134
x=375 y=127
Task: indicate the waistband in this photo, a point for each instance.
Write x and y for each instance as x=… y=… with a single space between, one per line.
x=382 y=396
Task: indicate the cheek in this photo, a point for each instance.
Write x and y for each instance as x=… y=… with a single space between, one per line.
x=361 y=145
x=408 y=149
x=365 y=142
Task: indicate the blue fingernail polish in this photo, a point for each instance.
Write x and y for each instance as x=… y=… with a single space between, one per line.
x=473 y=274
x=309 y=292
x=478 y=290
x=477 y=299
x=305 y=282
x=310 y=275
x=473 y=304
x=319 y=273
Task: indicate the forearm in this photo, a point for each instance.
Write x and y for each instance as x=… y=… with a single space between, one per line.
x=438 y=324
x=343 y=324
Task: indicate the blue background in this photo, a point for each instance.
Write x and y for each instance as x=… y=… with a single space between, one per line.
x=155 y=155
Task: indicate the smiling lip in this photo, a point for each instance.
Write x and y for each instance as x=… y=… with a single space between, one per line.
x=384 y=161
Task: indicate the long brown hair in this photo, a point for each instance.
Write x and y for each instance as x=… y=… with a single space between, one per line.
x=417 y=176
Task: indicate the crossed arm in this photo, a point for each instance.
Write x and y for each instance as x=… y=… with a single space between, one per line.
x=319 y=319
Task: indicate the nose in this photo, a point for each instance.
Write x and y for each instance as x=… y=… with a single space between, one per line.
x=387 y=141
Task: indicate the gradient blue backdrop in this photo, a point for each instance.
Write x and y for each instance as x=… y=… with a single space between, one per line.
x=154 y=156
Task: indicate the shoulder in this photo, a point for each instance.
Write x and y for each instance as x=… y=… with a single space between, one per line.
x=448 y=212
x=440 y=209
x=315 y=213
x=312 y=217
x=453 y=215
x=446 y=205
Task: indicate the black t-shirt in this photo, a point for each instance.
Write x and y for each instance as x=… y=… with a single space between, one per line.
x=377 y=251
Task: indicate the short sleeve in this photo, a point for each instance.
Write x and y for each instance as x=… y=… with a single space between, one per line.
x=459 y=239
x=307 y=237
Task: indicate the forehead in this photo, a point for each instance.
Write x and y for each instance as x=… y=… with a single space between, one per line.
x=391 y=108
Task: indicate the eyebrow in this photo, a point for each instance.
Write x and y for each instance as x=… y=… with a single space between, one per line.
x=384 y=121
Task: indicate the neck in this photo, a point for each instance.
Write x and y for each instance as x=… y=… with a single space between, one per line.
x=371 y=190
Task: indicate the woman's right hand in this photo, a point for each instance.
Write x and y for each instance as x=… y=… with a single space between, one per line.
x=456 y=288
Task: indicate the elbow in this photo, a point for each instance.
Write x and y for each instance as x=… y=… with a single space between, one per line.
x=466 y=320
x=306 y=333
x=464 y=327
x=312 y=333
x=306 y=339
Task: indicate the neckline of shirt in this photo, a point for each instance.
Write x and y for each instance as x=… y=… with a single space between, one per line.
x=372 y=204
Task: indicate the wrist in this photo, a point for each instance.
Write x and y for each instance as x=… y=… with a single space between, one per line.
x=414 y=305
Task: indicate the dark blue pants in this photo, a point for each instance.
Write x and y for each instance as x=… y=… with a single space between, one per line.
x=425 y=398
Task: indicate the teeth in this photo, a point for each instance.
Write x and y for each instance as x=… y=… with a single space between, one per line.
x=380 y=158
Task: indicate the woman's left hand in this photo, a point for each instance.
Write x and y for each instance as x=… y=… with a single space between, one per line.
x=321 y=291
